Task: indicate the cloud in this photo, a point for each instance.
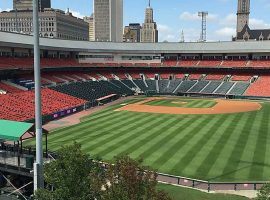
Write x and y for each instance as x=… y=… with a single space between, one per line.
x=76 y=14
x=229 y=20
x=187 y=16
x=258 y=24
x=167 y=33
x=226 y=32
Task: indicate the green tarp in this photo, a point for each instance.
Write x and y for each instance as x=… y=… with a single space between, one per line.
x=13 y=131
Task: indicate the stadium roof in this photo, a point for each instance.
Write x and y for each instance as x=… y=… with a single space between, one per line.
x=26 y=41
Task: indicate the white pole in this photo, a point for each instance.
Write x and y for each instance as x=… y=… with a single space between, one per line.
x=38 y=169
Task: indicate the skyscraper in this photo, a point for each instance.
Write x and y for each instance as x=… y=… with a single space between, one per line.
x=27 y=4
x=108 y=20
x=149 y=32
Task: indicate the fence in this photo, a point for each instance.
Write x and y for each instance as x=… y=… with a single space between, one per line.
x=207 y=185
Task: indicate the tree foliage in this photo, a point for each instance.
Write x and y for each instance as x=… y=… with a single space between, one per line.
x=129 y=180
x=264 y=192
x=74 y=176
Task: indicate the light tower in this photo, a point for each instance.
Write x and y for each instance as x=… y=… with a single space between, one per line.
x=38 y=165
x=203 y=15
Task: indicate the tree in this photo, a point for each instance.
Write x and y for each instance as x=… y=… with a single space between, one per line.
x=129 y=180
x=264 y=192
x=73 y=176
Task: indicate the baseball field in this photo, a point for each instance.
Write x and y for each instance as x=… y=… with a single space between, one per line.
x=217 y=140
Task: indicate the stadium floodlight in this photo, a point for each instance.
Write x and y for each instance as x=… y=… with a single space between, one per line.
x=38 y=166
x=203 y=15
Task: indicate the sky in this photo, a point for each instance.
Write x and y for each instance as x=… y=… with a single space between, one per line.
x=175 y=16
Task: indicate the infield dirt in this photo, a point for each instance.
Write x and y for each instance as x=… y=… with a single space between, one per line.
x=222 y=107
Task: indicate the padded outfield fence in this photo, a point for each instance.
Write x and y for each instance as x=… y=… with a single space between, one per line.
x=208 y=185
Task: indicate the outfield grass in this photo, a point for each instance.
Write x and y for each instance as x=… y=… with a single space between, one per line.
x=179 y=193
x=184 y=103
x=230 y=147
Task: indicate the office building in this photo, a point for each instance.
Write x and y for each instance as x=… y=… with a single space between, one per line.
x=149 y=32
x=132 y=33
x=108 y=20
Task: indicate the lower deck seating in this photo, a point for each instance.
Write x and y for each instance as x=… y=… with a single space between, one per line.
x=173 y=84
x=20 y=106
x=9 y=89
x=129 y=83
x=239 y=88
x=93 y=90
x=224 y=88
x=185 y=86
x=151 y=85
x=260 y=88
x=141 y=85
x=124 y=89
x=199 y=86
x=211 y=87
x=163 y=85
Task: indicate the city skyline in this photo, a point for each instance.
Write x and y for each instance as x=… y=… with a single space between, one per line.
x=177 y=15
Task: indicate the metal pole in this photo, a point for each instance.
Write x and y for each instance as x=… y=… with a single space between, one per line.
x=38 y=172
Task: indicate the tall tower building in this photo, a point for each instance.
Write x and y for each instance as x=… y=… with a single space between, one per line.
x=27 y=4
x=108 y=20
x=243 y=12
x=149 y=32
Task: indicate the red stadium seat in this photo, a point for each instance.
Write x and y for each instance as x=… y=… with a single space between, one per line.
x=20 y=106
x=260 y=87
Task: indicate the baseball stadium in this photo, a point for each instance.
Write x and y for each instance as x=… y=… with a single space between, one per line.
x=194 y=110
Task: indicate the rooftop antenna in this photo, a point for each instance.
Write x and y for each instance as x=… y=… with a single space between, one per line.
x=203 y=15
x=149 y=3
x=182 y=36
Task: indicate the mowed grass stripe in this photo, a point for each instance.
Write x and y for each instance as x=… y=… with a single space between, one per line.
x=214 y=146
x=216 y=169
x=123 y=129
x=145 y=135
x=191 y=104
x=105 y=111
x=80 y=128
x=98 y=131
x=232 y=163
x=201 y=104
x=157 y=143
x=266 y=169
x=192 y=129
x=260 y=150
x=249 y=150
x=132 y=134
x=198 y=144
x=76 y=127
x=168 y=142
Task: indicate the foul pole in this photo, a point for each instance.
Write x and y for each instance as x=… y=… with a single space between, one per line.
x=38 y=166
